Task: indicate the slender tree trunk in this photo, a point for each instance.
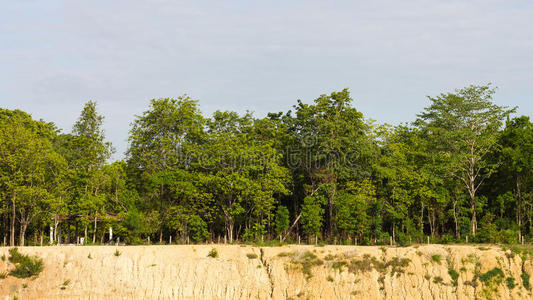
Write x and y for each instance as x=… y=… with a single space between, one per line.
x=519 y=205
x=22 y=233
x=95 y=226
x=474 y=215
x=12 y=224
x=85 y=235
x=455 y=219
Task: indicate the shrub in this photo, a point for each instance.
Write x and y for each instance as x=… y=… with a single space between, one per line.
x=454 y=275
x=436 y=258
x=251 y=255
x=307 y=260
x=25 y=265
x=338 y=265
x=213 y=253
x=525 y=280
x=510 y=282
x=437 y=280
x=198 y=229
x=492 y=274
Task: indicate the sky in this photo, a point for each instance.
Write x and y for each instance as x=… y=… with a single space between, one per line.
x=258 y=55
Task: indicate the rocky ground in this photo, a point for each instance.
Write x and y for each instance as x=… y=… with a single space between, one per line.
x=289 y=272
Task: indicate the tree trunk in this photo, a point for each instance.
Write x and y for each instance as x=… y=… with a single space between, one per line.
x=12 y=223
x=85 y=235
x=474 y=217
x=22 y=233
x=95 y=226
x=455 y=219
x=519 y=205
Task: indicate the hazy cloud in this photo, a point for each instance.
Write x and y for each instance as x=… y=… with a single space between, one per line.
x=239 y=55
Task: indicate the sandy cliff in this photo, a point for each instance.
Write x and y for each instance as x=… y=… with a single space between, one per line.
x=290 y=272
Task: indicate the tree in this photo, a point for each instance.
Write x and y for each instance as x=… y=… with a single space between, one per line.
x=30 y=171
x=242 y=172
x=281 y=219
x=312 y=215
x=463 y=126
x=516 y=141
x=331 y=143
x=163 y=141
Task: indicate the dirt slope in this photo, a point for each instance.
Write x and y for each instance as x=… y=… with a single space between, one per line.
x=290 y=272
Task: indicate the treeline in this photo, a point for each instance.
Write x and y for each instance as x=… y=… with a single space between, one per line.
x=318 y=172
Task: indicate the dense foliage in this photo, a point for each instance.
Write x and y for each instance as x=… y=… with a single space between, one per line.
x=321 y=172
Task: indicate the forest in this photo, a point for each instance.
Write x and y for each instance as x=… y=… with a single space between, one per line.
x=319 y=173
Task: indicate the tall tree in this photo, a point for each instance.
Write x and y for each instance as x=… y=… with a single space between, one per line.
x=464 y=126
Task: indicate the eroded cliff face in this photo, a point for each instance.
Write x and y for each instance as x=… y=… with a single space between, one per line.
x=290 y=272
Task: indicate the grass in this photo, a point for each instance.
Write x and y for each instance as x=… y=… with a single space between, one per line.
x=117 y=253
x=338 y=265
x=25 y=265
x=510 y=281
x=329 y=278
x=438 y=280
x=436 y=258
x=493 y=274
x=66 y=282
x=213 y=253
x=454 y=275
x=307 y=261
x=251 y=255
x=491 y=280
x=525 y=281
x=3 y=275
x=368 y=263
x=89 y=256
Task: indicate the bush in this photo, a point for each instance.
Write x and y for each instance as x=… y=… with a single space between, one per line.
x=213 y=253
x=198 y=229
x=454 y=275
x=25 y=265
x=510 y=283
x=525 y=281
x=447 y=239
x=251 y=255
x=436 y=258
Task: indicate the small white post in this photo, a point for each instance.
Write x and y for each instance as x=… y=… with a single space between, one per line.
x=110 y=234
x=428 y=239
x=467 y=239
x=51 y=235
x=170 y=240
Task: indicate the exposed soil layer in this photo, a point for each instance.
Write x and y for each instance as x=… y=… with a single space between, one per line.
x=289 y=272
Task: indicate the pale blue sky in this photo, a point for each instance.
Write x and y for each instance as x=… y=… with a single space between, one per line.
x=258 y=55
